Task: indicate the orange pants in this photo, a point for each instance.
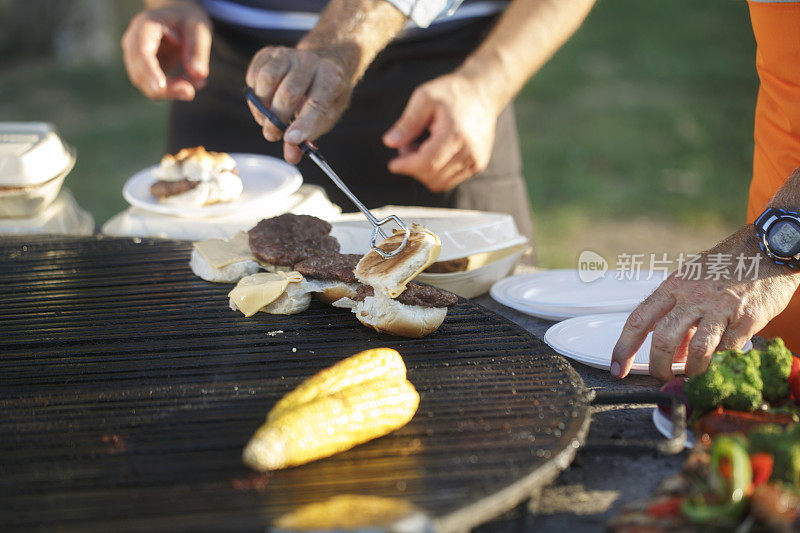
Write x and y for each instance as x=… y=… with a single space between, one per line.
x=776 y=26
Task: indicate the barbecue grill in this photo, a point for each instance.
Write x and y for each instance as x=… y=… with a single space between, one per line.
x=129 y=389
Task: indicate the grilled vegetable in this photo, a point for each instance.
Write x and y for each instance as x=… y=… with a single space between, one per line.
x=732 y=380
x=776 y=366
x=356 y=400
x=365 y=366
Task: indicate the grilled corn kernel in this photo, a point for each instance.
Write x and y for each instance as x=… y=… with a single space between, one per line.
x=332 y=423
x=365 y=366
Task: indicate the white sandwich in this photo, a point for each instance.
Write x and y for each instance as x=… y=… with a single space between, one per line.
x=195 y=177
x=277 y=293
x=224 y=260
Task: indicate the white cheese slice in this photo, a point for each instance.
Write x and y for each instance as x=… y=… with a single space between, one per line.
x=220 y=253
x=254 y=292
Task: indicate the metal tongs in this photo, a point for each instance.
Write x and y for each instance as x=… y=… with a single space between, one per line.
x=313 y=153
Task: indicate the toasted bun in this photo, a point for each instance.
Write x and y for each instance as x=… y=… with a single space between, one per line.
x=390 y=276
x=329 y=291
x=385 y=315
x=295 y=299
x=229 y=274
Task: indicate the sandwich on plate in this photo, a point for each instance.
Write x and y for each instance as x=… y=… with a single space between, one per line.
x=195 y=177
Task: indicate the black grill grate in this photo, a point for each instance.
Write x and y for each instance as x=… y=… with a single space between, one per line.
x=129 y=389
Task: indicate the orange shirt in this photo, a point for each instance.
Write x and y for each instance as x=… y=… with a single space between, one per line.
x=776 y=25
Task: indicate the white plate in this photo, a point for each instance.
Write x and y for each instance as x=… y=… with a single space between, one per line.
x=590 y=340
x=664 y=426
x=264 y=178
x=558 y=294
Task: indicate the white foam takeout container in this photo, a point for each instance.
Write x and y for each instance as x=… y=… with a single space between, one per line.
x=33 y=165
x=63 y=216
x=491 y=241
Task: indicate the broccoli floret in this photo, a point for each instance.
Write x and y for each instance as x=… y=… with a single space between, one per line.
x=776 y=364
x=784 y=447
x=732 y=380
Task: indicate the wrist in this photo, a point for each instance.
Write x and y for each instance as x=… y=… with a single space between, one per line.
x=486 y=84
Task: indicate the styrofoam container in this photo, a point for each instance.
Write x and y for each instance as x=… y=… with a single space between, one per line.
x=463 y=233
x=64 y=216
x=31 y=153
x=478 y=279
x=28 y=200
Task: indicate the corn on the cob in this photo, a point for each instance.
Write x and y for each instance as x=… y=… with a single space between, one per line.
x=346 y=512
x=365 y=366
x=332 y=423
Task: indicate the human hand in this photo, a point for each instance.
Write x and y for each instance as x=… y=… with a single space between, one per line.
x=692 y=317
x=302 y=84
x=461 y=127
x=160 y=41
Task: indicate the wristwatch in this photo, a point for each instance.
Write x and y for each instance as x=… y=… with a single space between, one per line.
x=779 y=236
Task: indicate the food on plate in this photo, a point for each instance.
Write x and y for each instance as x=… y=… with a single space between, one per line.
x=195 y=177
x=359 y=399
x=277 y=293
x=288 y=239
x=331 y=275
x=731 y=482
x=390 y=275
x=722 y=421
x=223 y=260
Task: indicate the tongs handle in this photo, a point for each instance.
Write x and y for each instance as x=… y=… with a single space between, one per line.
x=313 y=153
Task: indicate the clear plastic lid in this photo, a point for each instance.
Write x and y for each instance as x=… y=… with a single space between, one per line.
x=462 y=232
x=30 y=153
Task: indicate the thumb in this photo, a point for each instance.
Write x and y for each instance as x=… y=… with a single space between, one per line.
x=412 y=123
x=196 y=49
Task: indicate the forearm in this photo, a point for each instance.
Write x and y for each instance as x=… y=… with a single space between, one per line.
x=353 y=32
x=528 y=33
x=156 y=4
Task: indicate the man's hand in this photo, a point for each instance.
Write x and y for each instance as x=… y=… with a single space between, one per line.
x=166 y=51
x=725 y=312
x=302 y=84
x=461 y=125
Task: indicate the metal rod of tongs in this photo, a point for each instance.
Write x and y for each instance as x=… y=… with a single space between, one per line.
x=313 y=153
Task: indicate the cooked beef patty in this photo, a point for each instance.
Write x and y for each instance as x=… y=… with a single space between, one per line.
x=416 y=294
x=330 y=267
x=288 y=239
x=163 y=189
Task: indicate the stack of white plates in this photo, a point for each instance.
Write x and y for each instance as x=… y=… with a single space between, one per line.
x=561 y=294
x=591 y=339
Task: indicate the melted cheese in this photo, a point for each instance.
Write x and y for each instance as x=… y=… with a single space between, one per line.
x=220 y=253
x=254 y=292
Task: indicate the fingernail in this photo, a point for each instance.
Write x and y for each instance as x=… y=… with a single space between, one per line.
x=615 y=369
x=392 y=136
x=294 y=137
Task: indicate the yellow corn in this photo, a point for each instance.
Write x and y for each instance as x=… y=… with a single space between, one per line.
x=346 y=512
x=365 y=366
x=332 y=423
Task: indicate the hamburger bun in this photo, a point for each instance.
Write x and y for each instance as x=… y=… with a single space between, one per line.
x=329 y=291
x=389 y=276
x=227 y=274
x=386 y=315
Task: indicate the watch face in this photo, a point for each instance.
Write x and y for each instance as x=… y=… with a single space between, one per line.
x=784 y=238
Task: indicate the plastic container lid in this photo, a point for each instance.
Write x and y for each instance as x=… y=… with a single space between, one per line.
x=462 y=232
x=30 y=153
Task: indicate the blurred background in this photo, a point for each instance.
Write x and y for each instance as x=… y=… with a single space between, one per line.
x=637 y=136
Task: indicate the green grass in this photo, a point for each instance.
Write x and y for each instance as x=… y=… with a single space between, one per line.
x=647 y=111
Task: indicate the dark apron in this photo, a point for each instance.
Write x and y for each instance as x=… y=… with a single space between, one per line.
x=219 y=119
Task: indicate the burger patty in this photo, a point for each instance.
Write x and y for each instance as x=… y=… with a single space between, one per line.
x=288 y=239
x=163 y=189
x=416 y=294
x=335 y=266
